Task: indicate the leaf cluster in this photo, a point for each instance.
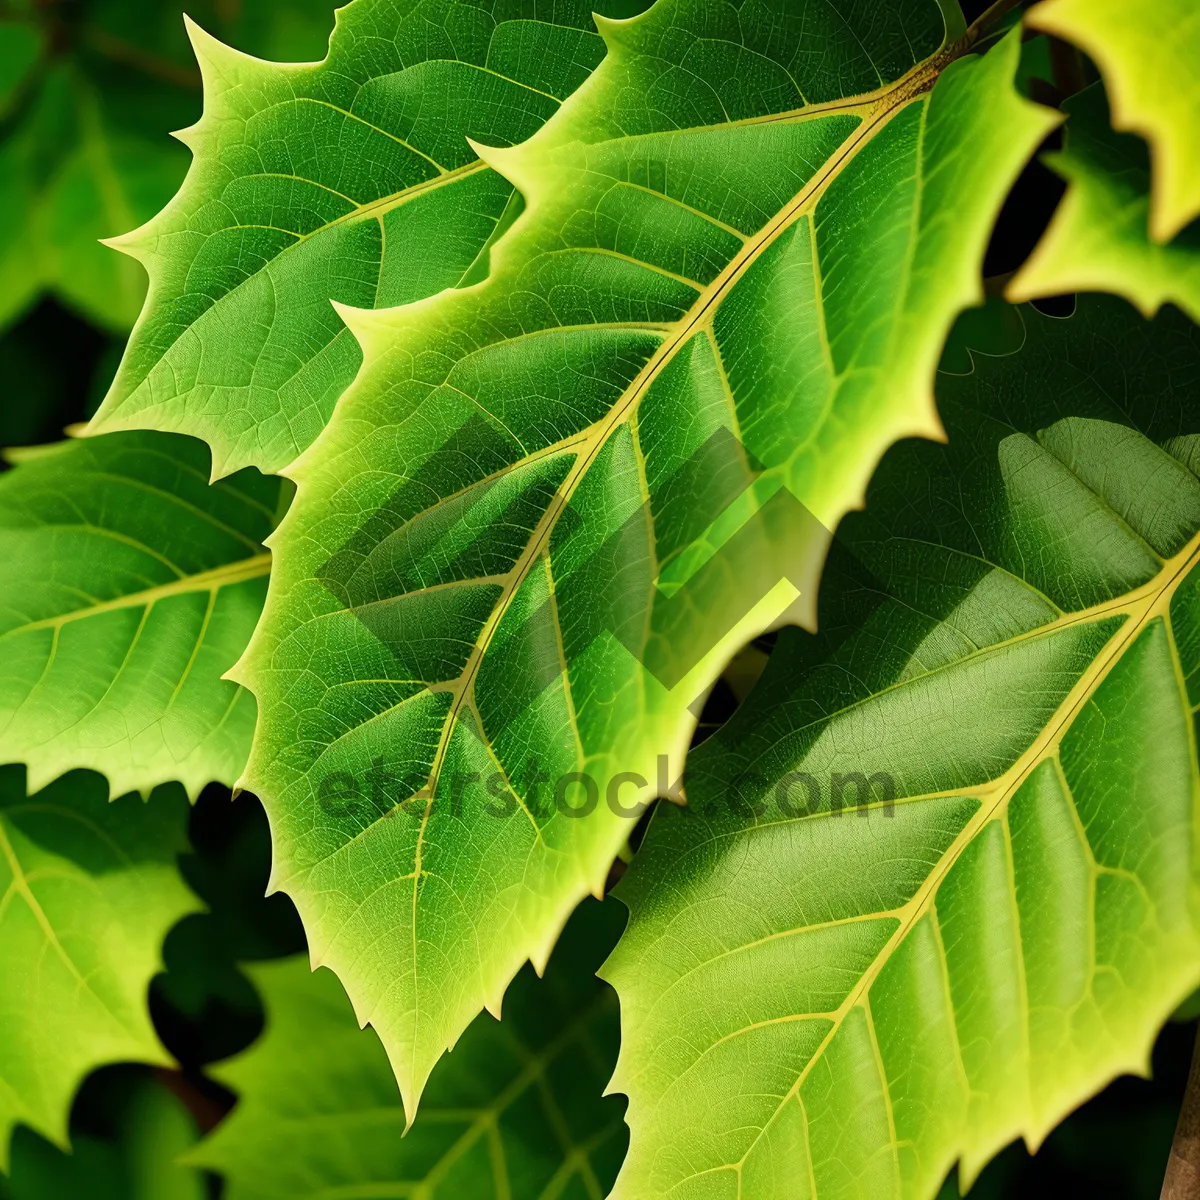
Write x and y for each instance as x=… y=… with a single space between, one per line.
x=660 y=453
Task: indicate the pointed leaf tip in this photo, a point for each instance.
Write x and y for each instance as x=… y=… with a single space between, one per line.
x=504 y=160
x=202 y=41
x=613 y=29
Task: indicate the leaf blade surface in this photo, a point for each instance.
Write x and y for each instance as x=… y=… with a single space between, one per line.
x=515 y=1111
x=948 y=853
x=90 y=889
x=555 y=503
x=348 y=180
x=133 y=587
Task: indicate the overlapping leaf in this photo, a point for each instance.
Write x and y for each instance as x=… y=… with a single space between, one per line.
x=1149 y=55
x=515 y=1112
x=521 y=550
x=817 y=1001
x=88 y=889
x=347 y=180
x=130 y=587
x=1099 y=237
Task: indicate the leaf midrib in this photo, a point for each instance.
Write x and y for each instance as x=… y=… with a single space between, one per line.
x=383 y=205
x=877 y=111
x=21 y=886
x=204 y=581
x=1146 y=597
x=1153 y=600
x=877 y=114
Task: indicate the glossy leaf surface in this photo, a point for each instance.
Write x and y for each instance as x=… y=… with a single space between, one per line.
x=349 y=180
x=515 y=1112
x=553 y=504
x=937 y=879
x=131 y=586
x=88 y=890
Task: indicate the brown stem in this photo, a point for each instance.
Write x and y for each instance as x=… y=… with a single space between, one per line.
x=984 y=23
x=1182 y=1180
x=994 y=285
x=205 y=1110
x=1067 y=67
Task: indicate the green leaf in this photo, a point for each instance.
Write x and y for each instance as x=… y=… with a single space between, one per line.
x=347 y=180
x=516 y=1111
x=89 y=889
x=1098 y=239
x=1149 y=55
x=138 y=1163
x=131 y=586
x=817 y=1001
x=499 y=570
